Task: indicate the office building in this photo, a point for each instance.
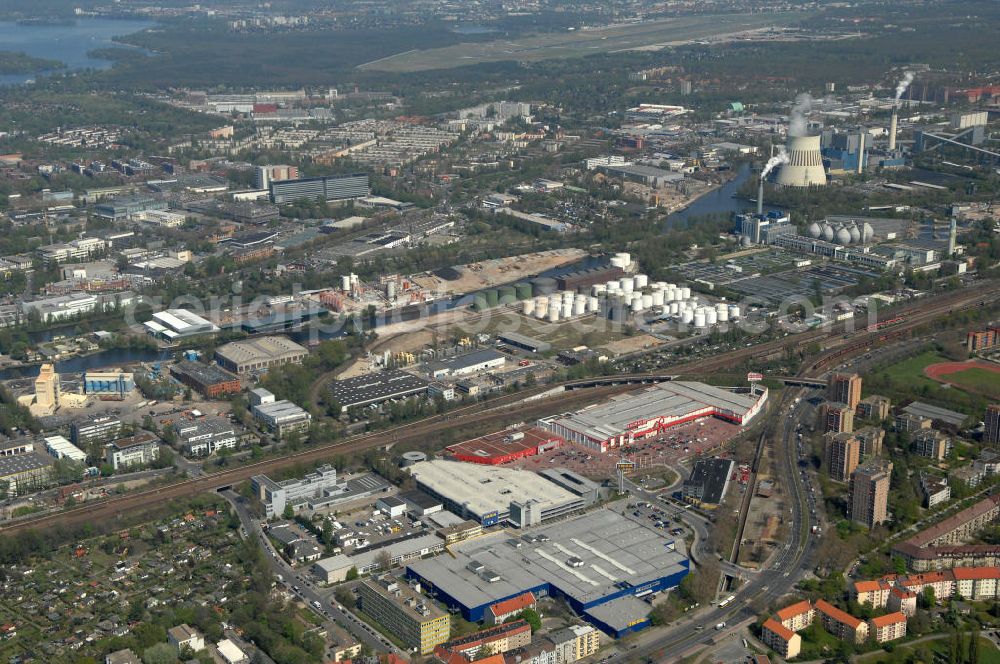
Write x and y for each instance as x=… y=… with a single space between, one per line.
x=842 y=454
x=494 y=494
x=259 y=354
x=412 y=618
x=47 y=390
x=139 y=450
x=265 y=175
x=329 y=188
x=875 y=407
x=991 y=434
x=115 y=383
x=602 y=563
x=282 y=417
x=868 y=495
x=60 y=448
x=99 y=429
x=206 y=379
x=205 y=436
x=931 y=444
x=709 y=480
x=838 y=418
x=295 y=492
x=845 y=388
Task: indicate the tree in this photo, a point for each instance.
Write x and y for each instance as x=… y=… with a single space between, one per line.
x=973 y=657
x=288 y=513
x=531 y=617
x=383 y=560
x=161 y=653
x=927 y=598
x=352 y=574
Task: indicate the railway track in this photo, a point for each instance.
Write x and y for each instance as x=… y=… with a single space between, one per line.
x=495 y=411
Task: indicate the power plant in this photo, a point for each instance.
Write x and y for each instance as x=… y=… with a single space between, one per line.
x=804 y=167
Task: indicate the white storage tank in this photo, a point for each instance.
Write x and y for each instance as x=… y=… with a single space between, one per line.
x=345 y=283
x=624 y=257
x=687 y=316
x=734 y=311
x=657 y=298
x=685 y=293
x=541 y=312
x=711 y=316
x=597 y=289
x=627 y=284
x=647 y=301
x=529 y=307
x=675 y=308
x=723 y=315
x=641 y=281
x=662 y=285
x=579 y=307
x=699 y=318
x=593 y=305
x=553 y=316
x=636 y=303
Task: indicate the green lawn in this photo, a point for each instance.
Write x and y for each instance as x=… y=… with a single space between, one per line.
x=911 y=371
x=978 y=380
x=906 y=380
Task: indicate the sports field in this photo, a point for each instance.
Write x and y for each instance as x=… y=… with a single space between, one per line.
x=648 y=35
x=973 y=376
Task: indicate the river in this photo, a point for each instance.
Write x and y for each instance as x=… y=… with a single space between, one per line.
x=68 y=43
x=714 y=202
x=114 y=357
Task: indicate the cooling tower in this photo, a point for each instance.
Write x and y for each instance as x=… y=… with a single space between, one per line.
x=805 y=165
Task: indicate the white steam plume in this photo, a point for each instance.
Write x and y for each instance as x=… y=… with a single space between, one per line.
x=797 y=122
x=903 y=84
x=774 y=162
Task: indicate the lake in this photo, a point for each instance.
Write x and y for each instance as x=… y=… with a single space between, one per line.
x=67 y=43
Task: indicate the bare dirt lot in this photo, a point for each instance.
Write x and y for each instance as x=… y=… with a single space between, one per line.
x=499 y=271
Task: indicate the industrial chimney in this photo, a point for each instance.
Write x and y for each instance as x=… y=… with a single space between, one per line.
x=892 y=131
x=760 y=198
x=952 y=237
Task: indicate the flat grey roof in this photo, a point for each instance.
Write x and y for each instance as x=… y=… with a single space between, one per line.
x=464 y=361
x=614 y=548
x=375 y=387
x=921 y=409
x=22 y=463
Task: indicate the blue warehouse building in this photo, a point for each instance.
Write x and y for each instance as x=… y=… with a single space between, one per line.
x=602 y=563
x=117 y=383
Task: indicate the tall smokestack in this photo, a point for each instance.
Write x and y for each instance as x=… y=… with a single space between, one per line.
x=760 y=198
x=952 y=236
x=861 y=153
x=892 y=131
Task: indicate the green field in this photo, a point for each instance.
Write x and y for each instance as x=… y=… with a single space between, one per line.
x=978 y=380
x=906 y=381
x=649 y=35
x=911 y=372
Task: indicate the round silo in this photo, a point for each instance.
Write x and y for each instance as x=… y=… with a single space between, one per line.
x=529 y=307
x=627 y=284
x=593 y=305
x=625 y=258
x=579 y=306
x=699 y=318
x=685 y=293
x=641 y=281
x=492 y=297
x=553 y=316
x=647 y=301
x=734 y=311
x=508 y=295
x=675 y=308
x=523 y=290
x=657 y=298
x=543 y=285
x=635 y=304
x=411 y=458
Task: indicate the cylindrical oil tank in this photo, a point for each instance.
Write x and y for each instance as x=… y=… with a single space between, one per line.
x=598 y=289
x=627 y=284
x=593 y=305
x=412 y=457
x=641 y=281
x=568 y=295
x=553 y=316
x=529 y=307
x=625 y=257
x=492 y=297
x=522 y=290
x=567 y=309
x=617 y=262
x=541 y=312
x=675 y=308
x=734 y=311
x=670 y=295
x=390 y=290
x=685 y=293
x=657 y=298
x=479 y=301
x=647 y=301
x=723 y=315
x=508 y=294
x=636 y=303
x=711 y=316
x=345 y=283
x=687 y=316
x=699 y=319
x=543 y=285
x=579 y=307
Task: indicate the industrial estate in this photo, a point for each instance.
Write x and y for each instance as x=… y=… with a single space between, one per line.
x=516 y=333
